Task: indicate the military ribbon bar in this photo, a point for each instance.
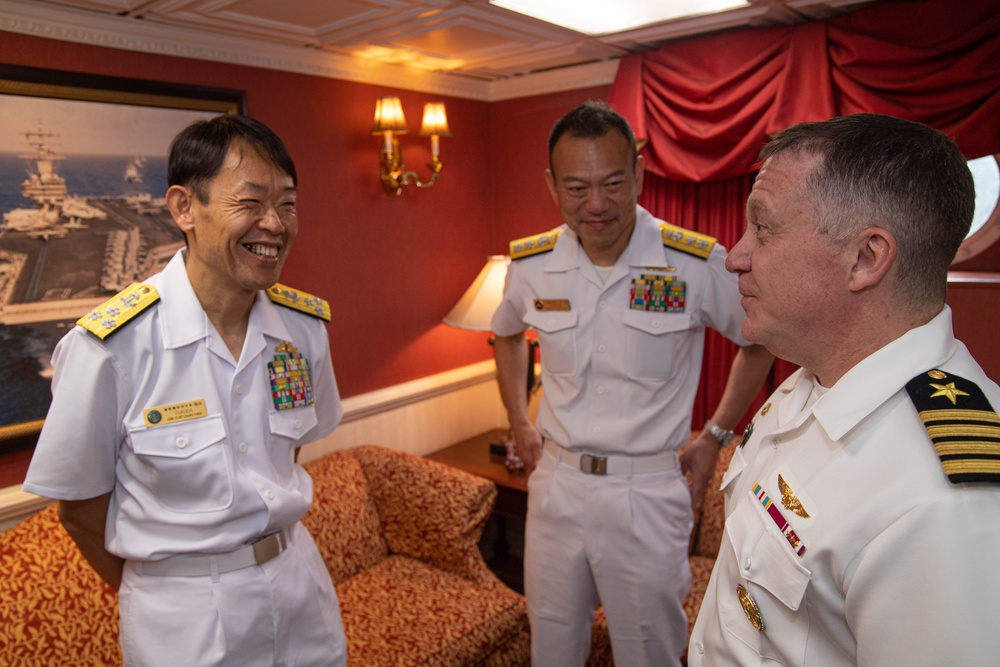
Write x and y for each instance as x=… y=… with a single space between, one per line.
x=779 y=520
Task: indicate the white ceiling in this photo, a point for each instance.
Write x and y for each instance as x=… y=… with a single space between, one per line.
x=466 y=48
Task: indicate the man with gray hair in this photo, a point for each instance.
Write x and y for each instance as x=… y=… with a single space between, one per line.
x=861 y=505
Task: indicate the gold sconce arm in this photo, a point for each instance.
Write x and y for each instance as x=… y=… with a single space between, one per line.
x=394 y=176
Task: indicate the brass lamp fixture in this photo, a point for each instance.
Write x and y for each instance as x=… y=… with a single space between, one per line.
x=389 y=122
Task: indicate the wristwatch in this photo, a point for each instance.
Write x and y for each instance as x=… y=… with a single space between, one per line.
x=724 y=436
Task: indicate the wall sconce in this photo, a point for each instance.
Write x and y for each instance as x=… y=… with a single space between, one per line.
x=389 y=121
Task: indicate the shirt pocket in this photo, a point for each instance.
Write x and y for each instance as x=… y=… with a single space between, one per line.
x=187 y=466
x=557 y=335
x=656 y=344
x=293 y=424
x=776 y=580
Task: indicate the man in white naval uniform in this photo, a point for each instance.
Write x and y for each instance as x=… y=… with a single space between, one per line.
x=862 y=505
x=178 y=407
x=620 y=301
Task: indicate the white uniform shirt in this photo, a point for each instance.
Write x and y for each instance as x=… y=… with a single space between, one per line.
x=618 y=380
x=203 y=485
x=900 y=566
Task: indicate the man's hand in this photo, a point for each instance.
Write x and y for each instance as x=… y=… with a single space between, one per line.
x=698 y=462
x=528 y=441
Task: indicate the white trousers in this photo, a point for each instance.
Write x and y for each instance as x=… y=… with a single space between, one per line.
x=616 y=540
x=284 y=612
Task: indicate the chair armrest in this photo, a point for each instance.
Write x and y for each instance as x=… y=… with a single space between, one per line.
x=430 y=511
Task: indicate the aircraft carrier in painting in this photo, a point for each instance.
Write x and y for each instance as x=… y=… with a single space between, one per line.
x=62 y=253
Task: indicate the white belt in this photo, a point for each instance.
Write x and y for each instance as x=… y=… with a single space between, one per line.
x=183 y=565
x=593 y=464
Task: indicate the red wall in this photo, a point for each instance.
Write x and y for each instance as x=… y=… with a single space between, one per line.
x=391 y=267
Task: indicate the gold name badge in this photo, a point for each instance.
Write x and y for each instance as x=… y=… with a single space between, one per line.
x=551 y=304
x=176 y=412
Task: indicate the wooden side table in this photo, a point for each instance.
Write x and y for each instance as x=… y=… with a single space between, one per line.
x=473 y=456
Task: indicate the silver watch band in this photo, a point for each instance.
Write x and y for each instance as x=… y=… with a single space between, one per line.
x=724 y=436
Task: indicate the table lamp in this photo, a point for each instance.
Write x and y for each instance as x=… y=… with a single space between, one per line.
x=476 y=307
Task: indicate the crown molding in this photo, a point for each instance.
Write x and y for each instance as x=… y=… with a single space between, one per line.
x=128 y=34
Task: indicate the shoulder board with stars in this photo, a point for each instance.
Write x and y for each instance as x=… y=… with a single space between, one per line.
x=301 y=301
x=119 y=309
x=963 y=426
x=693 y=243
x=533 y=245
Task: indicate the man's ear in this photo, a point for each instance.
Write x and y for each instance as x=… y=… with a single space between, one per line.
x=180 y=201
x=550 y=181
x=640 y=172
x=875 y=253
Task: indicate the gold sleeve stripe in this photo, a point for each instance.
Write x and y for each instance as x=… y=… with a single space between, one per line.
x=965 y=415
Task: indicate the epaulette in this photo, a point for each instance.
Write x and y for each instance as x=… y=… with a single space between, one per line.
x=301 y=301
x=532 y=245
x=693 y=243
x=119 y=309
x=963 y=426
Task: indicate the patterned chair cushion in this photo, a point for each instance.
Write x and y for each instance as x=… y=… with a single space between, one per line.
x=403 y=612
x=430 y=511
x=343 y=519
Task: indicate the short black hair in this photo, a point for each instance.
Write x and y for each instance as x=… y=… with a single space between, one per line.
x=197 y=153
x=591 y=120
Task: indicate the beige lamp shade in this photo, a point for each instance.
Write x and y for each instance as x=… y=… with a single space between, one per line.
x=476 y=307
x=389 y=116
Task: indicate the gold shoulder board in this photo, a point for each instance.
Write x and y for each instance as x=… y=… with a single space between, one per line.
x=960 y=421
x=119 y=309
x=301 y=301
x=533 y=245
x=693 y=243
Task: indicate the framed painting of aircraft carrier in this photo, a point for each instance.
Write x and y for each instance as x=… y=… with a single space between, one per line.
x=82 y=185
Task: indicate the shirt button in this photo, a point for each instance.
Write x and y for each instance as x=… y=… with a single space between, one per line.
x=747 y=562
x=600 y=390
x=239 y=390
x=297 y=424
x=269 y=494
x=181 y=443
x=602 y=348
x=243 y=448
x=656 y=323
x=699 y=648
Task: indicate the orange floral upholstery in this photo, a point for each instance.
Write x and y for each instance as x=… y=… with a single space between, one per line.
x=399 y=535
x=54 y=610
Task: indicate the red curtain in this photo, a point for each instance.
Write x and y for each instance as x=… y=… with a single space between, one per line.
x=707 y=105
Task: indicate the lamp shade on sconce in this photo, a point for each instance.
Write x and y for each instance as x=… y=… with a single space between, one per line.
x=476 y=307
x=389 y=116
x=435 y=121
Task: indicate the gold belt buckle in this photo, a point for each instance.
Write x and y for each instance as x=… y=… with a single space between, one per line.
x=594 y=465
x=268 y=547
